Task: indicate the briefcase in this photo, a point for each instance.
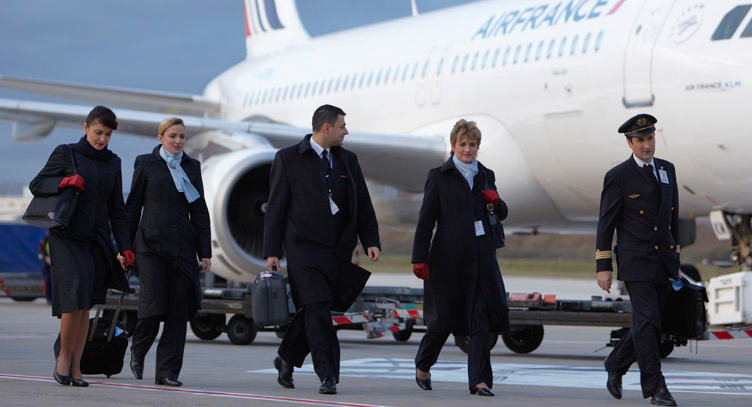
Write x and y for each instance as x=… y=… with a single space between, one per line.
x=684 y=315
x=269 y=305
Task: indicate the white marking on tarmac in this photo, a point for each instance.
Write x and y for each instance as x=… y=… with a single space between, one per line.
x=196 y=392
x=540 y=375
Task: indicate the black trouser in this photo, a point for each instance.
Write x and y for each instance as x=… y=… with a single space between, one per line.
x=311 y=331
x=172 y=342
x=479 y=346
x=642 y=341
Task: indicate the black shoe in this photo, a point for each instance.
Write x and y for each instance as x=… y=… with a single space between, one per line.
x=328 y=386
x=137 y=368
x=79 y=382
x=482 y=391
x=168 y=382
x=64 y=380
x=285 y=373
x=424 y=384
x=662 y=397
x=613 y=383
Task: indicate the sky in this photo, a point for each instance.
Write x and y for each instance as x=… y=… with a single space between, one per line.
x=163 y=45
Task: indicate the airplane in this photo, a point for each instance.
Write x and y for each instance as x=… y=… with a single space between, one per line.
x=547 y=81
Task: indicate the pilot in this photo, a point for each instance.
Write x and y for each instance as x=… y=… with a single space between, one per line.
x=640 y=200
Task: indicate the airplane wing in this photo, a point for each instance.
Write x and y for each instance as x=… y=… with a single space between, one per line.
x=160 y=102
x=393 y=159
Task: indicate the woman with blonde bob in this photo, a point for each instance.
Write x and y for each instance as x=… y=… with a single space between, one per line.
x=463 y=289
x=169 y=222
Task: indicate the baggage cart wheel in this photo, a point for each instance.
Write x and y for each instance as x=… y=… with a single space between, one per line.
x=463 y=342
x=241 y=330
x=404 y=335
x=523 y=338
x=208 y=326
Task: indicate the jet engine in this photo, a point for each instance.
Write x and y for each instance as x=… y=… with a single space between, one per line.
x=236 y=186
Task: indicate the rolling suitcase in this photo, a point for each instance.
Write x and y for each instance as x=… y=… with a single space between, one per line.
x=269 y=300
x=106 y=344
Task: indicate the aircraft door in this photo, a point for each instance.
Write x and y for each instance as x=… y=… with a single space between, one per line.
x=440 y=68
x=638 y=57
x=422 y=76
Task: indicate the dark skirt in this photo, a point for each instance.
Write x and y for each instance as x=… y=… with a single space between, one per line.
x=77 y=283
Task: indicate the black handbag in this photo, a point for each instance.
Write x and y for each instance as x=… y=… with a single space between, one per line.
x=684 y=315
x=497 y=229
x=53 y=211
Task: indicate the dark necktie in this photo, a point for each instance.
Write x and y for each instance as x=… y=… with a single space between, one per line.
x=649 y=170
x=325 y=162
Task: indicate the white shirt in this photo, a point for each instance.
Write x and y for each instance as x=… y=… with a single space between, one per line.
x=641 y=164
x=320 y=150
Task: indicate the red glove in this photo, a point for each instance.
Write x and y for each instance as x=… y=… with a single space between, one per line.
x=490 y=196
x=129 y=257
x=74 y=181
x=421 y=270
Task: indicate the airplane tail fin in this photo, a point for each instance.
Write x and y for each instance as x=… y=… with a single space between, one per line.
x=271 y=25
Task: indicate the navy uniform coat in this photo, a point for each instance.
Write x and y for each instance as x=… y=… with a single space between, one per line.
x=299 y=223
x=83 y=261
x=169 y=227
x=458 y=261
x=644 y=212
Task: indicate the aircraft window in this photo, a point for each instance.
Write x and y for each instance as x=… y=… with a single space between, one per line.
x=527 y=51
x=266 y=93
x=485 y=59
x=386 y=75
x=307 y=88
x=404 y=72
x=258 y=98
x=506 y=56
x=747 y=30
x=344 y=83
x=730 y=22
x=425 y=70
x=539 y=51
x=495 y=58
x=550 y=50
x=321 y=87
x=284 y=95
x=415 y=70
x=370 y=77
x=277 y=95
x=396 y=73
x=336 y=86
x=378 y=77
x=516 y=54
x=464 y=62
x=574 y=44
x=362 y=77
x=585 y=43
x=438 y=66
x=475 y=61
x=329 y=85
x=246 y=98
x=598 y=41
x=562 y=46
x=300 y=91
x=454 y=63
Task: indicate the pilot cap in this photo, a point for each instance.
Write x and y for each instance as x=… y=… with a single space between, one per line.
x=639 y=125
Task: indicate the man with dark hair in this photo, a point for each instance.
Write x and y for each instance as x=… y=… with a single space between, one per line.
x=318 y=207
x=640 y=200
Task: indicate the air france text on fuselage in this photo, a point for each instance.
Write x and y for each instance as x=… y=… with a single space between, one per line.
x=547 y=15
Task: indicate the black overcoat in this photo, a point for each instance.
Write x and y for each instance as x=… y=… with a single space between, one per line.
x=299 y=223
x=169 y=227
x=99 y=212
x=644 y=212
x=458 y=261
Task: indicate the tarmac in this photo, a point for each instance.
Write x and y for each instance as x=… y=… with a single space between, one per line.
x=566 y=370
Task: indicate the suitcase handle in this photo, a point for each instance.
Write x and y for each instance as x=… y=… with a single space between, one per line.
x=100 y=307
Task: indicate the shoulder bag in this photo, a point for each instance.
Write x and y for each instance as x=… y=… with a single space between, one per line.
x=53 y=211
x=497 y=229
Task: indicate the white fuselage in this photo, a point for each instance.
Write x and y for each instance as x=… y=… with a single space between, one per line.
x=548 y=82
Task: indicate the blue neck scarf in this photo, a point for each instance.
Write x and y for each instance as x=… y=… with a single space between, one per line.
x=179 y=177
x=468 y=171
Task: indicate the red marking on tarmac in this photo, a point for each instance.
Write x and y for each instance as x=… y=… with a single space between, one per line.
x=201 y=392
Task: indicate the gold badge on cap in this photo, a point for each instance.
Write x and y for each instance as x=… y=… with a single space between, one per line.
x=641 y=121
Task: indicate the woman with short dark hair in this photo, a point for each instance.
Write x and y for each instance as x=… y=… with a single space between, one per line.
x=83 y=261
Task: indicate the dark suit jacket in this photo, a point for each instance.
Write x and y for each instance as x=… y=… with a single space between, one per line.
x=169 y=227
x=644 y=213
x=299 y=223
x=458 y=259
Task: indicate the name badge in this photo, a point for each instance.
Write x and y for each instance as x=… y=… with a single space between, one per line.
x=663 y=175
x=333 y=206
x=479 y=228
